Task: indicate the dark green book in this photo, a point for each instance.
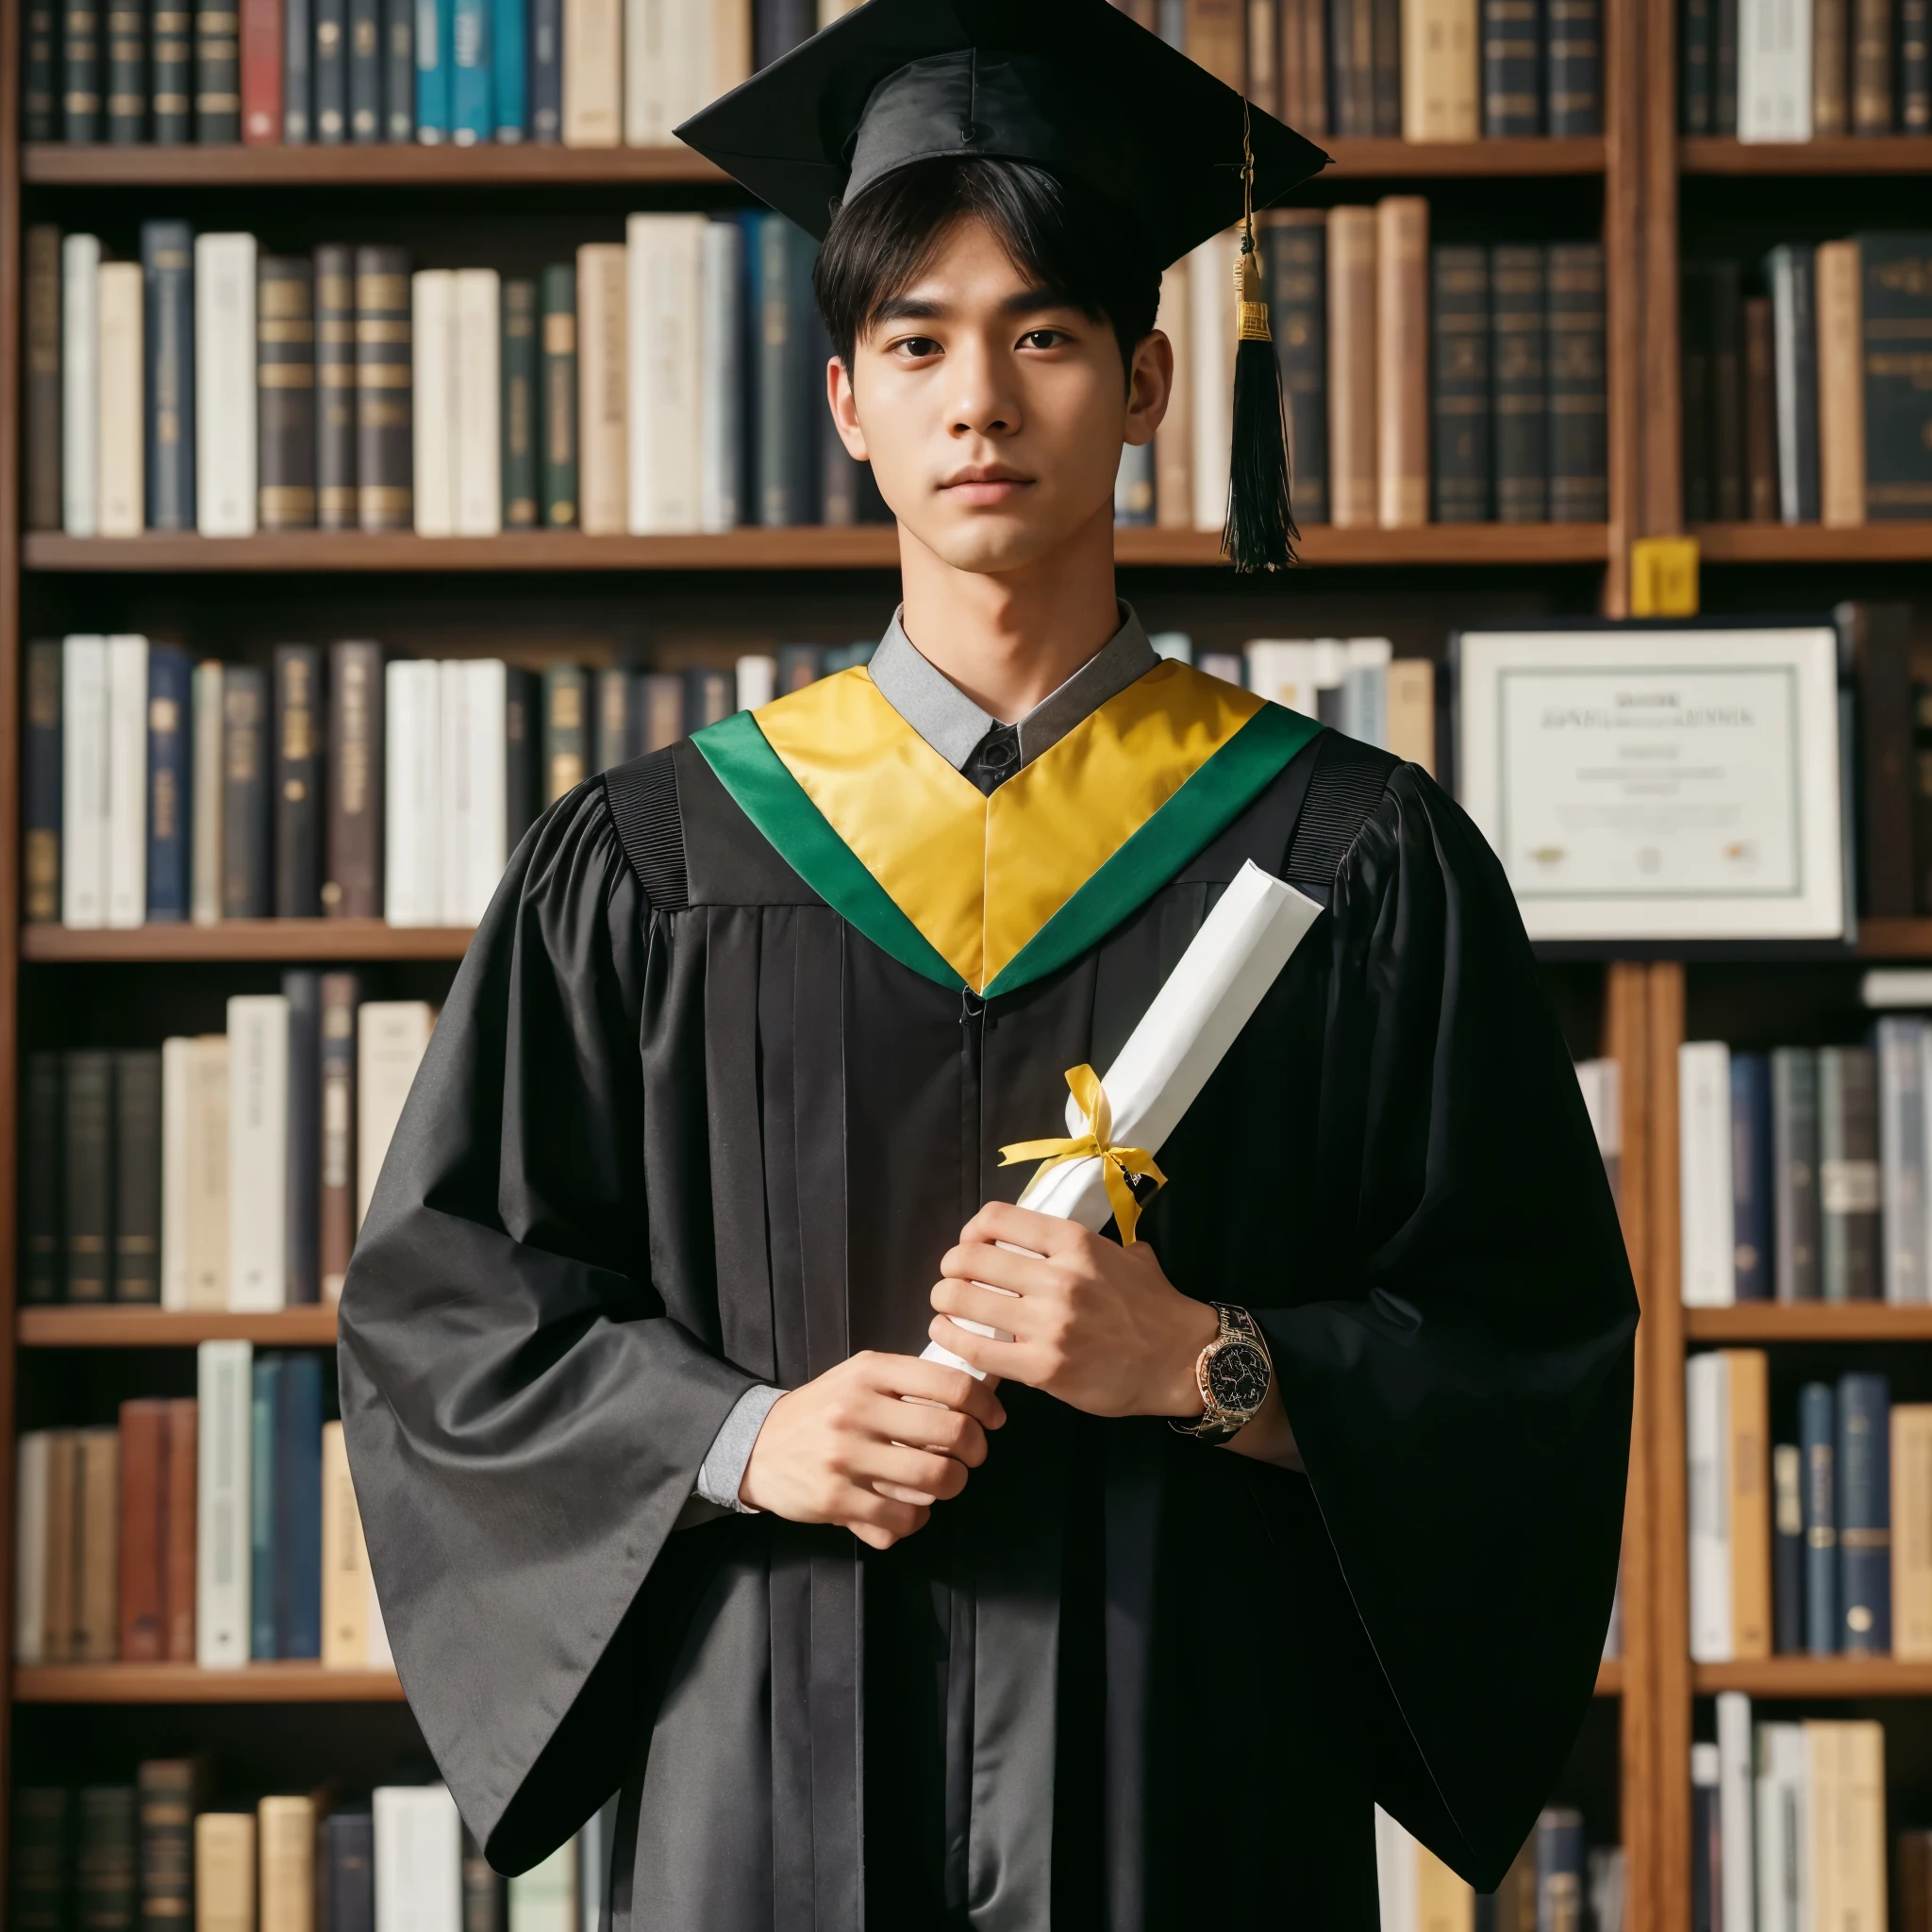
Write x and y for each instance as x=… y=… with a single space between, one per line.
x=167 y=1789
x=217 y=73
x=1896 y=272
x=80 y=78
x=566 y=748
x=335 y=387
x=1795 y=1173
x=1517 y=304
x=519 y=409
x=106 y=1862
x=245 y=845
x=170 y=63
x=138 y=1176
x=557 y=412
x=1513 y=80
x=167 y=259
x=1460 y=391
x=42 y=1859
x=1572 y=67
x=1296 y=254
x=127 y=21
x=87 y=1171
x=41 y=1192
x=1579 y=475
x=40 y=107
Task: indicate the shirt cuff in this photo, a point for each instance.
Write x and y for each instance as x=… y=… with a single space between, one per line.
x=724 y=1462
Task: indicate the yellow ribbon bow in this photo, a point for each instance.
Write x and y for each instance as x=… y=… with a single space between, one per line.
x=1117 y=1163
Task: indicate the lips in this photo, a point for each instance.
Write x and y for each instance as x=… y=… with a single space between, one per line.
x=985 y=486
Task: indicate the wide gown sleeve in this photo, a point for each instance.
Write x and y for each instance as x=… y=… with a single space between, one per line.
x=525 y=1417
x=1462 y=1403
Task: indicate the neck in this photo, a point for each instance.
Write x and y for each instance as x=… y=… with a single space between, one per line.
x=1009 y=638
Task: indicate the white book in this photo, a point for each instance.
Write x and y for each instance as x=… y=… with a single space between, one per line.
x=721 y=378
x=413 y=798
x=432 y=378
x=205 y=820
x=656 y=70
x=1737 y=1868
x=476 y=750
x=595 y=1844
x=1607 y=1887
x=257 y=1151
x=225 y=380
x=1365 y=690
x=1602 y=1082
x=84 y=782
x=545 y=1898
x=1395 y=1875
x=479 y=445
x=224 y=1376
x=1779 y=1839
x=665 y=284
x=178 y=1083
x=122 y=463
x=1773 y=70
x=32 y=1454
x=127 y=781
x=81 y=385
x=391 y=1038
x=758 y=681
x=1707 y=1230
x=1901 y=1055
x=1707 y=1442
x=1283 y=671
x=207 y=1178
x=1211 y=330
x=418 y=1859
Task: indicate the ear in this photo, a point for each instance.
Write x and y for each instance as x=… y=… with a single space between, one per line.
x=1149 y=386
x=844 y=405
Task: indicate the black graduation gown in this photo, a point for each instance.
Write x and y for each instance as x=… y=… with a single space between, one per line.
x=665 y=1146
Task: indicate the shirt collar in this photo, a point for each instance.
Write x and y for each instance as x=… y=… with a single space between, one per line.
x=952 y=724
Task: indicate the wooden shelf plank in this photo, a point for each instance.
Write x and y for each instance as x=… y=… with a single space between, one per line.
x=313 y=1326
x=1895 y=939
x=53 y=164
x=1816 y=1676
x=1900 y=543
x=1809 y=1321
x=865 y=548
x=1609 y=1677
x=295 y=1683
x=242 y=939
x=1886 y=153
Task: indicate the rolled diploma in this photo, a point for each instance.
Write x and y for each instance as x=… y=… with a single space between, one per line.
x=1196 y=1016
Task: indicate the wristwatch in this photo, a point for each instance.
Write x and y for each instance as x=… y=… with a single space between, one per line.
x=1235 y=1372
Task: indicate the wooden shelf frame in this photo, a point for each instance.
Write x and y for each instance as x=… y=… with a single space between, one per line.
x=286 y=941
x=1775 y=1322
x=1815 y=1676
x=313 y=1326
x=289 y=1683
x=1888 y=153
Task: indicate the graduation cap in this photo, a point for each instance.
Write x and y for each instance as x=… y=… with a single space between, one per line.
x=1075 y=87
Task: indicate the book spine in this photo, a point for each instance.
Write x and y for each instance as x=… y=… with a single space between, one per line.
x=472 y=112
x=1173 y=442
x=41 y=1854
x=41 y=786
x=399 y=70
x=1871 y=66
x=257 y=1151
x=1353 y=490
x=286 y=1830
x=593 y=73
x=119 y=508
x=603 y=405
x=1760 y=414
x=1706 y=1437
x=412 y=795
x=39 y=99
x=126 y=819
x=565 y=745
x=520 y=731
x=60 y=1517
x=1573 y=67
x=1840 y=385
x=785 y=418
x=80 y=94
x=382 y=389
x=353 y=886
x=297 y=783
x=1747 y=1510
x=171 y=64
x=330 y=74
x=1212 y=359
x=1386 y=30
x=1848 y=1174
x=1794 y=348
x=225 y=384
x=44 y=1114
x=1459 y=393
x=177 y=1064
x=207 y=834
x=1707 y=1253
x=1700 y=475
x=1915 y=66
x=477 y=441
x=1725 y=69
x=1735 y=1892
x=87 y=1175
x=1727 y=351
x=349 y=1850
x=1264 y=52
x=1512 y=67
x=1794 y=1162
x=1751 y=1177
x=509 y=77
x=81 y=391
x=432 y=70
x=1576 y=361
x=127 y=23
x=1911 y=1519
x=722 y=381
x=709 y=696
x=558 y=469
x=138 y=1177
x=662 y=700
x=298 y=1509
x=390 y=1036
x=224 y=1868
x=1296 y=254
x=519 y=408
x=614 y=723
x=265 y=1381
x=341 y=993
x=298 y=80
x=433 y=401
x=42 y=398
x=335 y=372
x=262 y=73
x=143 y=1490
x=244 y=816
x=1441 y=88
x=1401 y=379
x=285 y=386
x=84 y=768
x=106 y=1848
x=1788 y=1549
x=1352 y=42
x=664 y=308
x=546 y=72
x=1864 y=1514
x=475 y=746
x=1696 y=30
x=1830 y=65
x=167 y=258
x=365 y=71
x=217 y=74
x=1517 y=363
x=1877 y=640
x=1896 y=320
x=166 y=1793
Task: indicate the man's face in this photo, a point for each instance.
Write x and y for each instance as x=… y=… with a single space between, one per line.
x=993 y=414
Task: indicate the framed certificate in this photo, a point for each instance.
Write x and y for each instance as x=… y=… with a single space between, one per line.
x=1649 y=783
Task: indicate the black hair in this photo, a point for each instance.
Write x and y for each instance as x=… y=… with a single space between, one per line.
x=1074 y=244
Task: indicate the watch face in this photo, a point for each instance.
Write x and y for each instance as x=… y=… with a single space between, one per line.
x=1237 y=1374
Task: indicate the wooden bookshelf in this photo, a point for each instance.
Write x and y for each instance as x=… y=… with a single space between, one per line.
x=1900 y=543
x=289 y=942
x=292 y=1683
x=1767 y=1321
x=1815 y=1676
x=1886 y=153
x=1895 y=939
x=313 y=1326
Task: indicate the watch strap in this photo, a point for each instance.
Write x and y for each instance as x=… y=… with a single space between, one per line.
x=1216 y=1426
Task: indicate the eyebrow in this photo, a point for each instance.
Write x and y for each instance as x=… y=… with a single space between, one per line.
x=924 y=308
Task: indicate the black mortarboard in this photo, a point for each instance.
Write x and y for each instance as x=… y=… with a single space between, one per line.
x=1074 y=85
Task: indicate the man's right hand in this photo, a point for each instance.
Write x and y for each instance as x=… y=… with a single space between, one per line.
x=871 y=1444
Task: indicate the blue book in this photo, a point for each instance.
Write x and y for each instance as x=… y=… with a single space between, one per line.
x=1816 y=1446
x=298 y=35
x=472 y=112
x=167 y=263
x=261 y=1510
x=432 y=69
x=1864 y=1514
x=510 y=35
x=170 y=790
x=546 y=70
x=328 y=76
x=297 y=1581
x=1751 y=1177
x=789 y=404
x=398 y=70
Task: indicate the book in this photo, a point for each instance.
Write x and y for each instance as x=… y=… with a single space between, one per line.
x=1864 y=1514
x=225 y=1380
x=365 y=71
x=1352 y=66
x=204 y=1173
x=171 y=65
x=1761 y=412
x=545 y=1898
x=41 y=410
x=721 y=374
x=41 y=790
x=348 y=1856
x=1795 y=351
x=1736 y=1902
x=1294 y=252
x=224 y=1871
x=245 y=838
x=519 y=405
x=170 y=782
x=418 y=1856
x=301 y=991
x=612 y=732
x=1896 y=321
x=166 y=259
x=1830 y=65
x=1263 y=52
x=557 y=393
x=1900 y=1045
x=1709 y=1256
x=285 y=1832
x=1211 y=355
x=62 y=1559
x=1173 y=442
x=382 y=389
x=262 y=73
x=126 y=762
x=1788 y=1549
x=348 y=1592
x=81 y=385
x=1512 y=67
x=1911 y=1531
x=1572 y=68
x=167 y=1790
x=412 y=793
x=1459 y=385
x=432 y=36
x=86 y=1176
x=1849 y=1190
x=296 y=785
x=42 y=1127
x=1575 y=364
x=603 y=405
x=352 y=878
x=1518 y=382
x=1439 y=91
x=285 y=392
x=1871 y=66
x=120 y=484
x=137 y=1159
x=1401 y=375
x=1773 y=71
x=335 y=378
x=40 y=97
x=398 y=70
x=1751 y=1177
x=789 y=391
x=40 y=1856
x=257 y=1151
x=710 y=697
x=141 y=1633
x=757 y=677
x=298 y=84
x=1840 y=385
x=1795 y=1173
x=32 y=1453
x=179 y=1540
x=662 y=705
x=217 y=74
x=1706 y=1434
x=471 y=763
x=1843 y=1855
x=1723 y=84
x=80 y=77
x=295 y=1509
x=1818 y=1445
x=1354 y=488
x=666 y=313
x=84 y=782
x=340 y=993
x=486 y=1904
x=331 y=71
x=477 y=392
x=97 y=1542
x=593 y=73
x=546 y=72
x=1914 y=67
x=1746 y=1511
x=566 y=744
x=522 y=735
x=107 y=1868
x=391 y=1038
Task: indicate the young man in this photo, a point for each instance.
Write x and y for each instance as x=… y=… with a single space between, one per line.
x=1306 y=1499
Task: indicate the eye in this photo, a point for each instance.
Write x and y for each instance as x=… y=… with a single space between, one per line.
x=916 y=348
x=1044 y=339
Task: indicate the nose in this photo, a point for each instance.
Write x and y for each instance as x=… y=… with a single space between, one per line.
x=985 y=400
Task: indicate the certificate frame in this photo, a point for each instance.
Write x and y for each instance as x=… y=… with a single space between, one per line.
x=1571 y=744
